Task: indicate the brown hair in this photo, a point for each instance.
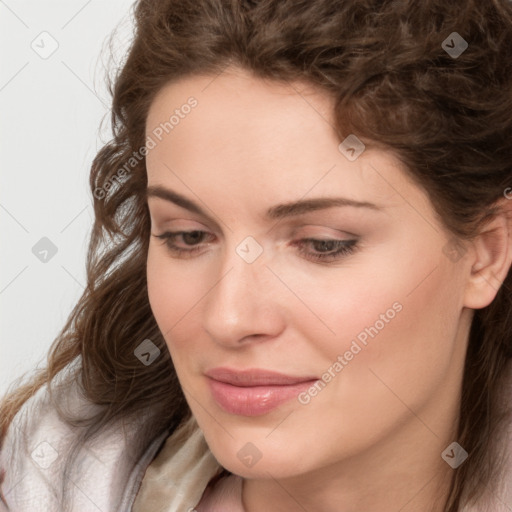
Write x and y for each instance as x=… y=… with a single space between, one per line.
x=449 y=119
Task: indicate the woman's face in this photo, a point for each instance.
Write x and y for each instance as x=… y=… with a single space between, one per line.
x=312 y=303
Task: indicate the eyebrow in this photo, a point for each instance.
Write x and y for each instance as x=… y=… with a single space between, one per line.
x=279 y=211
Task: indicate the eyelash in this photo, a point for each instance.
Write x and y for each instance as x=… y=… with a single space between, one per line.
x=344 y=247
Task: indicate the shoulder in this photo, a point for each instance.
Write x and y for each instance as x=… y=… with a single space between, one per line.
x=102 y=473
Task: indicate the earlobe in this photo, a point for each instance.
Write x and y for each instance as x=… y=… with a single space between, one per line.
x=492 y=258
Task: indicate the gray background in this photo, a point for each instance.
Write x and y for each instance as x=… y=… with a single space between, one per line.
x=53 y=119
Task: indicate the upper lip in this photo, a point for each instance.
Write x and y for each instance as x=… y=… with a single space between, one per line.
x=255 y=377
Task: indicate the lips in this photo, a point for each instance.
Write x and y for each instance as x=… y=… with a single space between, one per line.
x=254 y=392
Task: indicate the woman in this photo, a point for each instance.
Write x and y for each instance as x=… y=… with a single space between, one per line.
x=299 y=275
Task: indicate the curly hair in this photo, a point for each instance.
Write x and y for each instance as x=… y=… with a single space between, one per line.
x=447 y=117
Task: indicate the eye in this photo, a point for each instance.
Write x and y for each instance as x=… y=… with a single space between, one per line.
x=325 y=249
x=191 y=241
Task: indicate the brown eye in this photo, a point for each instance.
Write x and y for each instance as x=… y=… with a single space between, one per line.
x=185 y=242
x=325 y=250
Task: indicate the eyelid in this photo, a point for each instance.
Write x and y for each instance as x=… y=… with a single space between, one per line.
x=162 y=211
x=175 y=224
x=343 y=247
x=297 y=231
x=301 y=230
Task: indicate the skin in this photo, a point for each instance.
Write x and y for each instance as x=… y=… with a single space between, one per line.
x=372 y=438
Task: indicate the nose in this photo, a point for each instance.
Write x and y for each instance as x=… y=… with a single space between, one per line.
x=243 y=306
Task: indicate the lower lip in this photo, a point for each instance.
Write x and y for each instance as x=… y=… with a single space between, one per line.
x=254 y=400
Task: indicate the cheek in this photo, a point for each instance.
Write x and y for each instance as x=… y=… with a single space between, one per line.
x=396 y=315
x=173 y=294
x=400 y=338
x=402 y=365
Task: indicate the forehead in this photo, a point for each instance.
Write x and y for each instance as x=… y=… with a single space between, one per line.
x=238 y=108
x=239 y=85
x=275 y=140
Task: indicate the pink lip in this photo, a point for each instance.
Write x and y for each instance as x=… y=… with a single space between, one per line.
x=254 y=392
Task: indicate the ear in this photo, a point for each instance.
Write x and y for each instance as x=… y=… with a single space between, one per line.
x=492 y=257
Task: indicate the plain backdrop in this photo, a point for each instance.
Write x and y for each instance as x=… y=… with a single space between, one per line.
x=54 y=116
